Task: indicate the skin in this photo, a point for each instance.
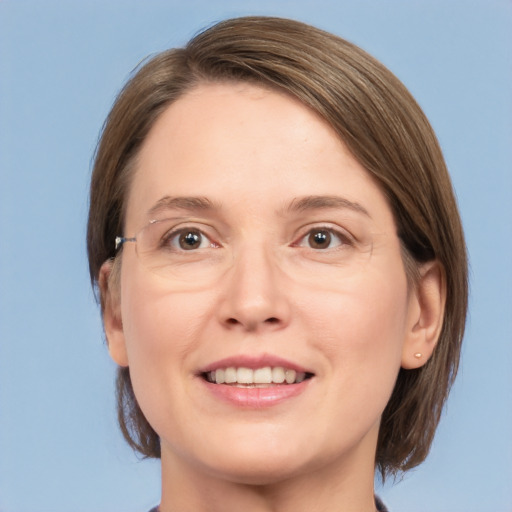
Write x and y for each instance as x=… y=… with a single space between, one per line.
x=346 y=313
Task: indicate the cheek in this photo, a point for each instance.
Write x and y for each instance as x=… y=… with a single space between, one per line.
x=159 y=326
x=156 y=319
x=160 y=331
x=363 y=328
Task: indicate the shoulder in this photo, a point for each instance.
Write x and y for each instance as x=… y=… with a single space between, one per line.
x=378 y=503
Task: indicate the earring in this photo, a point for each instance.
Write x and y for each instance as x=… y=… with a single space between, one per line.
x=418 y=355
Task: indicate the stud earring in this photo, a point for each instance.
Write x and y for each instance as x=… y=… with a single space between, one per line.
x=418 y=355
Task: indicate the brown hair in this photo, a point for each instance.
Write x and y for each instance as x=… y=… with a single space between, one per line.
x=383 y=127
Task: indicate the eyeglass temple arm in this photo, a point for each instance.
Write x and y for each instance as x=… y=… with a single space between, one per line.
x=120 y=240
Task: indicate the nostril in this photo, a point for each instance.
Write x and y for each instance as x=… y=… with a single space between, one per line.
x=252 y=324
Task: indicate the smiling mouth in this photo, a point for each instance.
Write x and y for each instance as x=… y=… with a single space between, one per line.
x=258 y=378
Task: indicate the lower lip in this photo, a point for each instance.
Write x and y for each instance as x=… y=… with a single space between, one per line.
x=256 y=398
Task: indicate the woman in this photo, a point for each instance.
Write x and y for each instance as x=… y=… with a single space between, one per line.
x=281 y=268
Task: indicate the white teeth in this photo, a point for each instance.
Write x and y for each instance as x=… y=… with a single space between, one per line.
x=244 y=376
x=230 y=375
x=300 y=377
x=219 y=376
x=263 y=375
x=247 y=376
x=278 y=375
x=290 y=376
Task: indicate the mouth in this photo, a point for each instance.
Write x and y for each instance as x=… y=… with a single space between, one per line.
x=264 y=377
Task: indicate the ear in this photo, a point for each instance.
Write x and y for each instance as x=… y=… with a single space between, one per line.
x=426 y=313
x=110 y=290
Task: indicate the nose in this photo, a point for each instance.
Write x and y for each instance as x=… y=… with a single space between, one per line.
x=254 y=297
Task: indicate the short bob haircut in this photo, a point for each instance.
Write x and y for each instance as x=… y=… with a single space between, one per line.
x=385 y=130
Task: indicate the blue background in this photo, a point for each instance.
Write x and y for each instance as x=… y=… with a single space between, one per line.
x=61 y=65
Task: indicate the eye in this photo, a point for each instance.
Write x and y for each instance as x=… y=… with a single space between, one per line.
x=187 y=239
x=323 y=238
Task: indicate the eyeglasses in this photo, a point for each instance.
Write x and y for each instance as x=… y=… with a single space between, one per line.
x=189 y=252
x=168 y=248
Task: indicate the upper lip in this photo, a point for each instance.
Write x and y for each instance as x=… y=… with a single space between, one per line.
x=253 y=362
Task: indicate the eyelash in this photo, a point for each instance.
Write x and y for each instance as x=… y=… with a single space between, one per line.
x=344 y=239
x=171 y=239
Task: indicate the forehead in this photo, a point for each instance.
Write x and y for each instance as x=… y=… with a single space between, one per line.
x=236 y=117
x=238 y=142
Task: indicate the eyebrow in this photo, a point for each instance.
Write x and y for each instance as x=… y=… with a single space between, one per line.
x=198 y=203
x=324 y=203
x=185 y=203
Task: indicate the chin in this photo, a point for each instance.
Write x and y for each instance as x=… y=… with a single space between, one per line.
x=261 y=463
x=261 y=472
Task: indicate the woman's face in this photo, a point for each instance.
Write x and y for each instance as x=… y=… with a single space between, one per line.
x=280 y=261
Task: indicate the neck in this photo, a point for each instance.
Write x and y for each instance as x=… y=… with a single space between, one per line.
x=341 y=485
